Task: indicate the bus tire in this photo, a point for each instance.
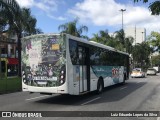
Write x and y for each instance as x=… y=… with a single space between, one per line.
x=100 y=86
x=124 y=79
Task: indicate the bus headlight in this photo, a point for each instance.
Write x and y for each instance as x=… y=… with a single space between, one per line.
x=61 y=81
x=62 y=75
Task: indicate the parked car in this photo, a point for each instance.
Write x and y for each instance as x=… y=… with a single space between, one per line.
x=157 y=68
x=137 y=72
x=151 y=71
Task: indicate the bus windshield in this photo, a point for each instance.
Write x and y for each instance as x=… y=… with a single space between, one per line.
x=43 y=60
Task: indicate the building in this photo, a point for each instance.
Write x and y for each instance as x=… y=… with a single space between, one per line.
x=139 y=34
x=8 y=54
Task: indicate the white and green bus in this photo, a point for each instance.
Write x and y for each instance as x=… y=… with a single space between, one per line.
x=64 y=64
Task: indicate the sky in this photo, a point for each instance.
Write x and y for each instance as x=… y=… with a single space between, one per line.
x=95 y=14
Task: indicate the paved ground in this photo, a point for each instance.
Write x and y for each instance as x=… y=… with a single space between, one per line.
x=138 y=94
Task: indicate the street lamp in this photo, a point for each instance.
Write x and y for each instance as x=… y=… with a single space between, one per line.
x=122 y=10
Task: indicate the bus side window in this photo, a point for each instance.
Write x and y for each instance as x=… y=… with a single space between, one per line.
x=81 y=55
x=73 y=52
x=94 y=56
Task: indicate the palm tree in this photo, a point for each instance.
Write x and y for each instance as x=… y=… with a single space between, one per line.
x=102 y=37
x=71 y=28
x=19 y=21
x=24 y=23
x=8 y=8
x=96 y=38
x=120 y=36
x=125 y=43
x=128 y=44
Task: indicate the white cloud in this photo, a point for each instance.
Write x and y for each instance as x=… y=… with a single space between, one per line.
x=47 y=6
x=106 y=13
x=57 y=18
x=25 y=3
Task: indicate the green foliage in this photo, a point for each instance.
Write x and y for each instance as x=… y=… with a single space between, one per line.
x=128 y=44
x=117 y=41
x=71 y=28
x=154 y=40
x=102 y=37
x=154 y=7
x=141 y=0
x=156 y=60
x=120 y=36
x=19 y=21
x=140 y=54
x=8 y=10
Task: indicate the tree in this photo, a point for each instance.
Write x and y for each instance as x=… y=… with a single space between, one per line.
x=156 y=60
x=120 y=36
x=102 y=37
x=117 y=41
x=125 y=43
x=8 y=8
x=25 y=23
x=154 y=7
x=19 y=20
x=112 y=42
x=71 y=28
x=154 y=40
x=128 y=44
x=140 y=54
x=96 y=38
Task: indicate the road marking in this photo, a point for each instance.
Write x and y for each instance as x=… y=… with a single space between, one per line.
x=138 y=82
x=91 y=101
x=123 y=88
x=38 y=97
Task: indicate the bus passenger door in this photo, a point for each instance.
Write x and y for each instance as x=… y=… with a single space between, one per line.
x=83 y=69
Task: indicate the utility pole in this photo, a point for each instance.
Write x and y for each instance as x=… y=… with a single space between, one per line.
x=122 y=10
x=135 y=35
x=142 y=36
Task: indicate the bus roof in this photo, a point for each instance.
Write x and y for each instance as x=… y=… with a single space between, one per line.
x=80 y=40
x=95 y=44
x=37 y=35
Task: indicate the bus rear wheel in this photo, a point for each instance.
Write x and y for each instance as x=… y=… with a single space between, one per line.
x=124 y=78
x=100 y=86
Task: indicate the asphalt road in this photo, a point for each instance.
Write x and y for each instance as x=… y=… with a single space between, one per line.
x=137 y=94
